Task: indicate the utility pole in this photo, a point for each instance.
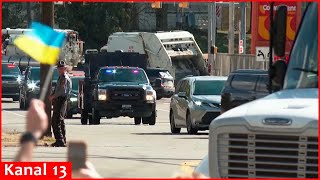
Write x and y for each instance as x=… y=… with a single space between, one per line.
x=243 y=25
x=212 y=26
x=231 y=29
x=209 y=33
x=29 y=18
x=47 y=17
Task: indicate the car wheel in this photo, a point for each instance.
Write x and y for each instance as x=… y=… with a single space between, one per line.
x=21 y=104
x=190 y=129
x=145 y=121
x=152 y=119
x=95 y=117
x=172 y=124
x=137 y=120
x=16 y=98
x=159 y=97
x=84 y=117
x=69 y=115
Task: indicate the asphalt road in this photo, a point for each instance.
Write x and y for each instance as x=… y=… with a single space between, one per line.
x=117 y=147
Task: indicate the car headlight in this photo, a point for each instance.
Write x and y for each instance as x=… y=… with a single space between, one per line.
x=198 y=103
x=32 y=86
x=102 y=94
x=150 y=96
x=19 y=79
x=73 y=99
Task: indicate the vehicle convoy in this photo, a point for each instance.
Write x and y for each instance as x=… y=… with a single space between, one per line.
x=11 y=81
x=243 y=86
x=116 y=85
x=167 y=82
x=71 y=52
x=196 y=103
x=275 y=136
x=176 y=51
x=72 y=102
x=30 y=85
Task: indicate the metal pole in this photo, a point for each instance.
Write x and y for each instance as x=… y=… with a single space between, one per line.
x=243 y=25
x=231 y=28
x=209 y=35
x=213 y=34
x=47 y=10
x=271 y=44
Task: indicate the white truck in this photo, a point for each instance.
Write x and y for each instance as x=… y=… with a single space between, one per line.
x=275 y=136
x=176 y=51
x=71 y=51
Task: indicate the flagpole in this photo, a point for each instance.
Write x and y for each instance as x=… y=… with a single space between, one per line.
x=46 y=83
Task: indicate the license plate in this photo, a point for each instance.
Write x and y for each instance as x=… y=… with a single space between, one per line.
x=126 y=106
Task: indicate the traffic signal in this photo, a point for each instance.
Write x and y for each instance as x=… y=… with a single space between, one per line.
x=156 y=5
x=184 y=5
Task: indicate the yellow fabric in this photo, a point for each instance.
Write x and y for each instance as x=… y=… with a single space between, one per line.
x=37 y=50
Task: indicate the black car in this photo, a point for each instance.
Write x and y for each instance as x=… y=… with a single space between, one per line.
x=31 y=85
x=244 y=86
x=72 y=105
x=11 y=81
x=123 y=91
x=167 y=82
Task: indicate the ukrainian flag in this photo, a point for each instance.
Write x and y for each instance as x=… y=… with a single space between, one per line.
x=42 y=43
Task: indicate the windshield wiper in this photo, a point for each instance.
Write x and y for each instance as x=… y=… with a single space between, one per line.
x=306 y=70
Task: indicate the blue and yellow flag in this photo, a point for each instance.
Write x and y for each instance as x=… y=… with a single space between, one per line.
x=42 y=43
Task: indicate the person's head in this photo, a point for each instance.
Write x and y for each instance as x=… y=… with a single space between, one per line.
x=62 y=67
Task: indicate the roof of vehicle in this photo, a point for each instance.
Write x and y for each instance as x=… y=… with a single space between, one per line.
x=206 y=78
x=154 y=69
x=120 y=67
x=249 y=71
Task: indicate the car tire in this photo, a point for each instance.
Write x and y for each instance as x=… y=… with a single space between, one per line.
x=173 y=128
x=159 y=97
x=16 y=98
x=145 y=121
x=21 y=104
x=95 y=117
x=137 y=120
x=190 y=129
x=84 y=117
x=153 y=118
x=69 y=115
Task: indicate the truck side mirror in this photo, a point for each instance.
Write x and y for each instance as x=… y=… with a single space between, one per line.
x=280 y=29
x=277 y=74
x=158 y=82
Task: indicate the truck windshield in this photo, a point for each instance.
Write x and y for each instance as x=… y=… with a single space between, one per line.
x=303 y=65
x=123 y=75
x=213 y=87
x=35 y=74
x=10 y=69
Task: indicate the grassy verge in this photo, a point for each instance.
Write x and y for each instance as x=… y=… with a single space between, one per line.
x=12 y=140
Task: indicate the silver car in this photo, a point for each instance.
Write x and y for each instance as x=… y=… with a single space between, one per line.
x=196 y=103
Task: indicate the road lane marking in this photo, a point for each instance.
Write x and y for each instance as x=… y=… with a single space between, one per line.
x=163 y=110
x=14 y=113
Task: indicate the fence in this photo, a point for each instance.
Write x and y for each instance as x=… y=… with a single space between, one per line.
x=225 y=63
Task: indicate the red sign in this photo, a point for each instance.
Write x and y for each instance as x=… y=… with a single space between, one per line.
x=35 y=170
x=261 y=23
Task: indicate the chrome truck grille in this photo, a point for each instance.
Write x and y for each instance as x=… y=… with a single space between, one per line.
x=265 y=156
x=127 y=94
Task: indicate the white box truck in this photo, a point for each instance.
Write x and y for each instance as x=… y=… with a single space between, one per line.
x=176 y=51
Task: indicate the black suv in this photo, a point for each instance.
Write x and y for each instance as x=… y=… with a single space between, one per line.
x=11 y=81
x=31 y=85
x=244 y=86
x=167 y=82
x=123 y=91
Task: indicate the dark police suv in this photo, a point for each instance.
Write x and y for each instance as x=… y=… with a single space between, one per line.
x=123 y=91
x=11 y=81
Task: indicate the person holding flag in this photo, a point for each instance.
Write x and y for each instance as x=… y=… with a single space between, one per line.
x=44 y=44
